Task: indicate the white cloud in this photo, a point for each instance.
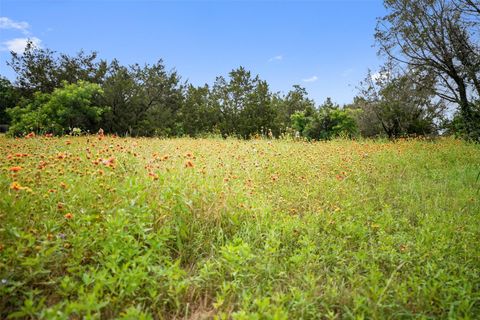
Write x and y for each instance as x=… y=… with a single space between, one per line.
x=311 y=79
x=7 y=23
x=276 y=58
x=18 y=44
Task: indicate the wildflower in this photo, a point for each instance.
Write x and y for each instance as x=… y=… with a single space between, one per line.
x=110 y=162
x=16 y=186
x=15 y=169
x=153 y=175
x=63 y=185
x=30 y=135
x=189 y=164
x=68 y=216
x=68 y=142
x=61 y=236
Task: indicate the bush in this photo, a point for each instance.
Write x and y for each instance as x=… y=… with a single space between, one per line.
x=328 y=122
x=72 y=106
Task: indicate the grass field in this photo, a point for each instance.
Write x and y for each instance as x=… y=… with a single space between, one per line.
x=193 y=229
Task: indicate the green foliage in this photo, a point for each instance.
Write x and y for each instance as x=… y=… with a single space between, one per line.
x=9 y=97
x=244 y=104
x=72 y=106
x=198 y=114
x=142 y=100
x=396 y=103
x=295 y=101
x=44 y=70
x=459 y=126
x=328 y=122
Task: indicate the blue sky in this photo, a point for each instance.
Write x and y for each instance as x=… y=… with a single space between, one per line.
x=325 y=46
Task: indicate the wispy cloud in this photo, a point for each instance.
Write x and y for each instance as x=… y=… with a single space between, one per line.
x=18 y=44
x=311 y=79
x=276 y=58
x=7 y=23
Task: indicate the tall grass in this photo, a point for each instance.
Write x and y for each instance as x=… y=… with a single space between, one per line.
x=182 y=228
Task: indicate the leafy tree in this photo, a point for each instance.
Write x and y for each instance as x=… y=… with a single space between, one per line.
x=400 y=103
x=44 y=70
x=120 y=94
x=327 y=122
x=438 y=38
x=244 y=103
x=198 y=115
x=72 y=106
x=159 y=97
x=296 y=100
x=142 y=100
x=9 y=97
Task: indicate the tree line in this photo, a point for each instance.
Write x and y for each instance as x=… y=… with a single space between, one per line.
x=432 y=64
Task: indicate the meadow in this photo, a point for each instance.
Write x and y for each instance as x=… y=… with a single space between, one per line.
x=146 y=228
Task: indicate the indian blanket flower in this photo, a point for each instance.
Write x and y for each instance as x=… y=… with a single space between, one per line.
x=15 y=169
x=16 y=186
x=68 y=215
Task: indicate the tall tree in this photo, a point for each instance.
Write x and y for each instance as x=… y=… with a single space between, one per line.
x=437 y=37
x=9 y=97
x=296 y=100
x=44 y=70
x=120 y=93
x=198 y=114
x=399 y=103
x=244 y=103
x=159 y=98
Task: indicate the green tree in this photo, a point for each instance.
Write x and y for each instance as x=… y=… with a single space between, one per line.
x=438 y=38
x=244 y=103
x=159 y=97
x=44 y=70
x=121 y=95
x=327 y=122
x=198 y=115
x=72 y=106
x=296 y=100
x=399 y=103
x=9 y=97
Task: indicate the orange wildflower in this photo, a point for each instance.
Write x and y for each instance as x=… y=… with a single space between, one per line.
x=16 y=186
x=30 y=135
x=189 y=164
x=15 y=169
x=68 y=215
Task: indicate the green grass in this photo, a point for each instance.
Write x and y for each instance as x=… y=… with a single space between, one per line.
x=238 y=229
